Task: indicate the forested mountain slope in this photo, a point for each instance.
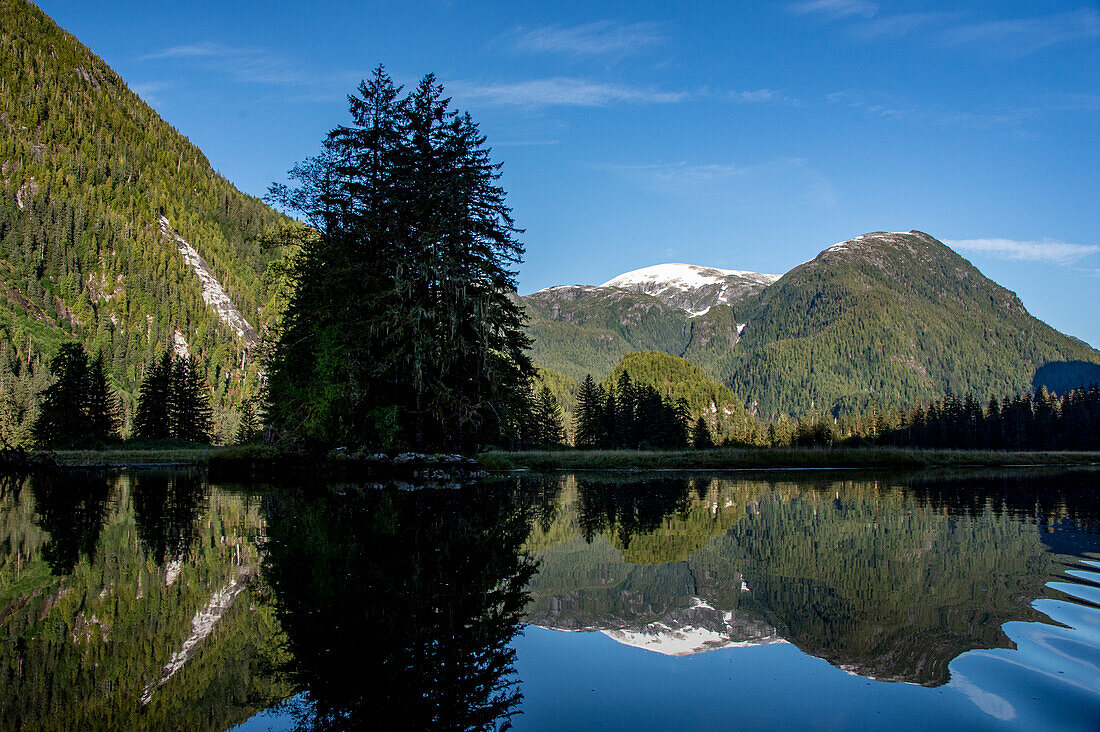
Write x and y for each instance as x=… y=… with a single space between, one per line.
x=579 y=329
x=677 y=378
x=889 y=316
x=114 y=229
x=582 y=329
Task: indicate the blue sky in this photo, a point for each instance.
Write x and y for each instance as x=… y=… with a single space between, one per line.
x=747 y=135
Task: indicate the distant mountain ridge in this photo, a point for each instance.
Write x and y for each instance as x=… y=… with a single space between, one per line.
x=886 y=317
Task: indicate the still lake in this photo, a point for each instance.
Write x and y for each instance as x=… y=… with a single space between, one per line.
x=153 y=599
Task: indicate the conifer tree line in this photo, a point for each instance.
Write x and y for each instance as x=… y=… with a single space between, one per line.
x=402 y=329
x=80 y=409
x=174 y=401
x=1039 y=421
x=1023 y=421
x=628 y=415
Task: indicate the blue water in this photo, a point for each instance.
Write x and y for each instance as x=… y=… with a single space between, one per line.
x=562 y=602
x=972 y=555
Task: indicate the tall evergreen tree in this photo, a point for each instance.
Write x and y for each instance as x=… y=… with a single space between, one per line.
x=589 y=414
x=249 y=428
x=402 y=305
x=153 y=420
x=625 y=418
x=192 y=418
x=174 y=401
x=700 y=435
x=100 y=404
x=62 y=419
x=549 y=429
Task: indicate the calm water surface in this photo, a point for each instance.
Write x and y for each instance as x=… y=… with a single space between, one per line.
x=156 y=600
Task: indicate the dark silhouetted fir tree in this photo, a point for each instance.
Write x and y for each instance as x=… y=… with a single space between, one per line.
x=546 y=422
x=62 y=421
x=589 y=415
x=101 y=404
x=153 y=420
x=174 y=401
x=402 y=309
x=249 y=430
x=191 y=416
x=700 y=435
x=78 y=408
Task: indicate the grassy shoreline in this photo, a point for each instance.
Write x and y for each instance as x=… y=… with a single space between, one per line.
x=774 y=459
x=721 y=458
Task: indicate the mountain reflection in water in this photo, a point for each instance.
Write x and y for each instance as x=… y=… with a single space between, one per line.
x=152 y=599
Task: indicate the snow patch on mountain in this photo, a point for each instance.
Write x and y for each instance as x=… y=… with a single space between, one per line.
x=696 y=629
x=684 y=276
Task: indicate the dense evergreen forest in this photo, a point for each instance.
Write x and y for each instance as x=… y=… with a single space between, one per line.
x=629 y=415
x=652 y=399
x=87 y=171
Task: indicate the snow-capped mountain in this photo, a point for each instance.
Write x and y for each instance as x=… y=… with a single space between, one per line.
x=683 y=632
x=691 y=287
x=696 y=629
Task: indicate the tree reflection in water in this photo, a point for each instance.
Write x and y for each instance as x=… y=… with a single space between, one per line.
x=167 y=507
x=71 y=508
x=399 y=605
x=629 y=508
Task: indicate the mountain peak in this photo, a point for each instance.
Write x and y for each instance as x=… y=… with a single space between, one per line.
x=684 y=276
x=692 y=287
x=912 y=241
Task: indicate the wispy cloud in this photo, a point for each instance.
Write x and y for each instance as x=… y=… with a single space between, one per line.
x=562 y=91
x=1050 y=251
x=836 y=8
x=763 y=96
x=602 y=38
x=1013 y=120
x=1026 y=35
x=887 y=106
x=1012 y=36
x=148 y=91
x=242 y=64
x=779 y=183
x=899 y=24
